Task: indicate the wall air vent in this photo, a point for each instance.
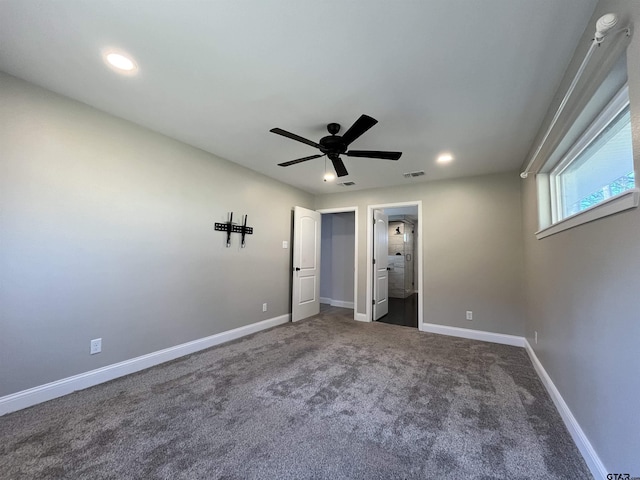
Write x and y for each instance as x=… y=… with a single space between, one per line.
x=413 y=174
x=347 y=184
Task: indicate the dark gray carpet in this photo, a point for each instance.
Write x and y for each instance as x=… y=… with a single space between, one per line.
x=326 y=398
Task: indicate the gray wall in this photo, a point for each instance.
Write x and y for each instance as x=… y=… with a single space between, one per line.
x=325 y=257
x=582 y=299
x=472 y=250
x=337 y=259
x=106 y=230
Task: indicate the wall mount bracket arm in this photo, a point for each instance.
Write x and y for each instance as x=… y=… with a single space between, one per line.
x=231 y=227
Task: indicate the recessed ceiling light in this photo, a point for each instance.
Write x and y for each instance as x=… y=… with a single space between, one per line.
x=445 y=158
x=120 y=62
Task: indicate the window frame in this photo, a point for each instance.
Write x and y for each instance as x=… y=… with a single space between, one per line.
x=549 y=189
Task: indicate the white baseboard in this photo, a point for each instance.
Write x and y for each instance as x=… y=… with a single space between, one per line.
x=582 y=442
x=474 y=334
x=361 y=317
x=336 y=303
x=340 y=303
x=49 y=391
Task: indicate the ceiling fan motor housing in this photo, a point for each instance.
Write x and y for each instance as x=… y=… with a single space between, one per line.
x=333 y=145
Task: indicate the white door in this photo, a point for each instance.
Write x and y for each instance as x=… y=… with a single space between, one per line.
x=380 y=264
x=305 y=300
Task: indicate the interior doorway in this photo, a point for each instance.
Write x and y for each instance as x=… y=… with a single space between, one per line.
x=403 y=247
x=338 y=260
x=402 y=265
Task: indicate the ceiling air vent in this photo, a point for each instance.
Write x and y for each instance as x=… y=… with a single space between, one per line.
x=347 y=184
x=413 y=174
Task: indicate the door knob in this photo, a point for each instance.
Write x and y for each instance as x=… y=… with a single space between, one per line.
x=297 y=269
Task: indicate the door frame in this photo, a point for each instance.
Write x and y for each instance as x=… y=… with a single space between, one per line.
x=322 y=211
x=369 y=292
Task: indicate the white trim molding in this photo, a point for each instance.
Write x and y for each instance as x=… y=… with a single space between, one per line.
x=361 y=317
x=59 y=388
x=369 y=242
x=336 y=303
x=582 y=442
x=619 y=203
x=322 y=211
x=502 y=338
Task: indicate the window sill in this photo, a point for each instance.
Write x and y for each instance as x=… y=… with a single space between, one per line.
x=619 y=203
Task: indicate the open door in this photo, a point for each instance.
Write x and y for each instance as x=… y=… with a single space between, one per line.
x=380 y=264
x=305 y=301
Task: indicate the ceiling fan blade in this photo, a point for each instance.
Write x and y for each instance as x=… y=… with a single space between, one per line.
x=293 y=136
x=299 y=160
x=364 y=123
x=374 y=154
x=341 y=170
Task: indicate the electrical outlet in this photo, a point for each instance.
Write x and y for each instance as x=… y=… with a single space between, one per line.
x=535 y=337
x=469 y=315
x=264 y=307
x=96 y=346
x=285 y=244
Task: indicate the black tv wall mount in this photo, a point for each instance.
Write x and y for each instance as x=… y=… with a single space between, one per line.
x=231 y=227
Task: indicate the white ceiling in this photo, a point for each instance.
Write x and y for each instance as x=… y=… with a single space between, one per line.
x=471 y=77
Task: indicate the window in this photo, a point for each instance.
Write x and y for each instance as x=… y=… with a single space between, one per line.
x=596 y=175
x=599 y=166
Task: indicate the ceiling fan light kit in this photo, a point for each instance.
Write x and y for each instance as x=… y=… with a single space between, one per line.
x=334 y=145
x=328 y=176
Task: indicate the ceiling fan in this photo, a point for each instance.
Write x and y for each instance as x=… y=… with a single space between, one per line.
x=334 y=145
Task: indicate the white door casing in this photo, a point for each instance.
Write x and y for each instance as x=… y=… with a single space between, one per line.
x=356 y=316
x=419 y=255
x=305 y=301
x=380 y=264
